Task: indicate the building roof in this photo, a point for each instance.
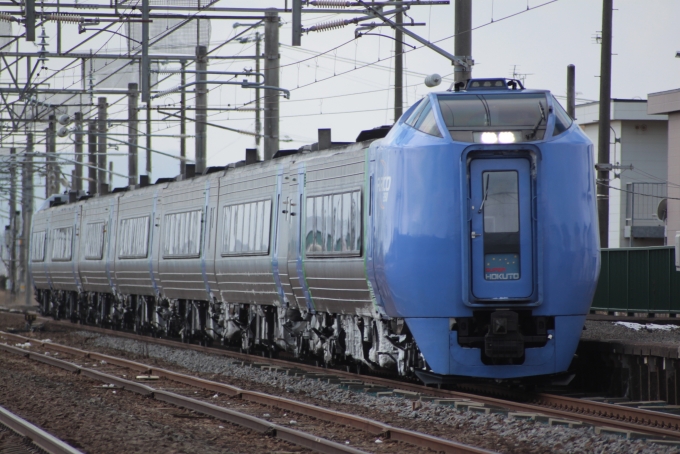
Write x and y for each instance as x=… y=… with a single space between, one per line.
x=664 y=102
x=621 y=109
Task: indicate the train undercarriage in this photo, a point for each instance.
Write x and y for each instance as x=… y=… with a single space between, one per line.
x=330 y=339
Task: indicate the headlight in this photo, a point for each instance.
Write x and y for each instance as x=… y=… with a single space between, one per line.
x=497 y=137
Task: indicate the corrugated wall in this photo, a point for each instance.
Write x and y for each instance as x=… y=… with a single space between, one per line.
x=638 y=280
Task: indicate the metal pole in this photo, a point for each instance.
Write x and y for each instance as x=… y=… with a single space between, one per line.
x=12 y=271
x=201 y=105
x=183 y=121
x=101 y=144
x=51 y=170
x=27 y=212
x=271 y=78
x=258 y=113
x=571 y=91
x=398 y=69
x=148 y=139
x=133 y=126
x=144 y=68
x=604 y=122
x=77 y=182
x=92 y=156
x=30 y=20
x=463 y=39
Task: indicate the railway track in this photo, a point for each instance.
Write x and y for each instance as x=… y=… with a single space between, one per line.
x=297 y=437
x=610 y=418
x=40 y=440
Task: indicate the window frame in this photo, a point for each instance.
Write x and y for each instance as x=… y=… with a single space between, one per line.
x=44 y=245
x=103 y=234
x=54 y=243
x=120 y=235
x=359 y=252
x=226 y=227
x=200 y=234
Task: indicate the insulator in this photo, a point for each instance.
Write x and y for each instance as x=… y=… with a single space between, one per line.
x=331 y=3
x=328 y=26
x=59 y=17
x=7 y=17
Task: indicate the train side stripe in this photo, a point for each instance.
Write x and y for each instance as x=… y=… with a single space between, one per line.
x=206 y=233
x=275 y=250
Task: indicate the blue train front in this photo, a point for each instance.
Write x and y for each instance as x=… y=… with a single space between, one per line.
x=485 y=236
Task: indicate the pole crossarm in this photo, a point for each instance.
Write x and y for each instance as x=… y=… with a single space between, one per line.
x=244 y=84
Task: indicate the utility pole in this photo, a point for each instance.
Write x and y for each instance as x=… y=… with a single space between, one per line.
x=27 y=213
x=101 y=145
x=463 y=39
x=148 y=138
x=51 y=172
x=398 y=69
x=11 y=241
x=604 y=122
x=201 y=106
x=271 y=78
x=133 y=125
x=92 y=157
x=183 y=121
x=258 y=113
x=571 y=91
x=77 y=180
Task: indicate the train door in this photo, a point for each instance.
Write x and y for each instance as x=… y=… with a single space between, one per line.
x=501 y=228
x=292 y=211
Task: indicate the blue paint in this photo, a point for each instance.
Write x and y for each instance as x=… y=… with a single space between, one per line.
x=275 y=255
x=421 y=250
x=206 y=234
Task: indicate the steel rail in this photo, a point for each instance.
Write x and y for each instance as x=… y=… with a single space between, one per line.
x=39 y=437
x=596 y=413
x=293 y=436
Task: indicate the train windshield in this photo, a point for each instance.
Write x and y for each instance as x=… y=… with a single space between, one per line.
x=466 y=115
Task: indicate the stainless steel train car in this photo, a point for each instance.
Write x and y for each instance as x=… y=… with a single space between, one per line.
x=432 y=251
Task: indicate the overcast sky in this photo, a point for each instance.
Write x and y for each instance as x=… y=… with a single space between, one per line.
x=539 y=43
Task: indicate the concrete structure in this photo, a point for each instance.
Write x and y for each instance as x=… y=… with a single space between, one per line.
x=667 y=103
x=639 y=138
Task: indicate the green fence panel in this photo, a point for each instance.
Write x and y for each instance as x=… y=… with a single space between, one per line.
x=638 y=280
x=659 y=280
x=601 y=298
x=618 y=280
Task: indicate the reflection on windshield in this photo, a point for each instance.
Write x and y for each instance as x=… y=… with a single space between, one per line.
x=491 y=110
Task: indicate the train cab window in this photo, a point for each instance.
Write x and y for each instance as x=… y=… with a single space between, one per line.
x=38 y=246
x=94 y=241
x=133 y=238
x=562 y=119
x=247 y=228
x=182 y=234
x=501 y=223
x=427 y=122
x=62 y=244
x=417 y=111
x=333 y=225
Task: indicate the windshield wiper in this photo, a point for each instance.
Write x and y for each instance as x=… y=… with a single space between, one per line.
x=538 y=123
x=486 y=194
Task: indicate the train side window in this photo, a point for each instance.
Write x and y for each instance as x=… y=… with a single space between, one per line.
x=38 y=246
x=182 y=234
x=134 y=238
x=427 y=122
x=333 y=225
x=562 y=119
x=62 y=244
x=247 y=228
x=94 y=241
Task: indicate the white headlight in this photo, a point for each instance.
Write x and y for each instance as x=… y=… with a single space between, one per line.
x=506 y=137
x=489 y=137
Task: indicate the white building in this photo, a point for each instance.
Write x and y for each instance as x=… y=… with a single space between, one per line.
x=641 y=140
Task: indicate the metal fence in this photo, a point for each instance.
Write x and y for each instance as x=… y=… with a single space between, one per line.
x=638 y=280
x=642 y=202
